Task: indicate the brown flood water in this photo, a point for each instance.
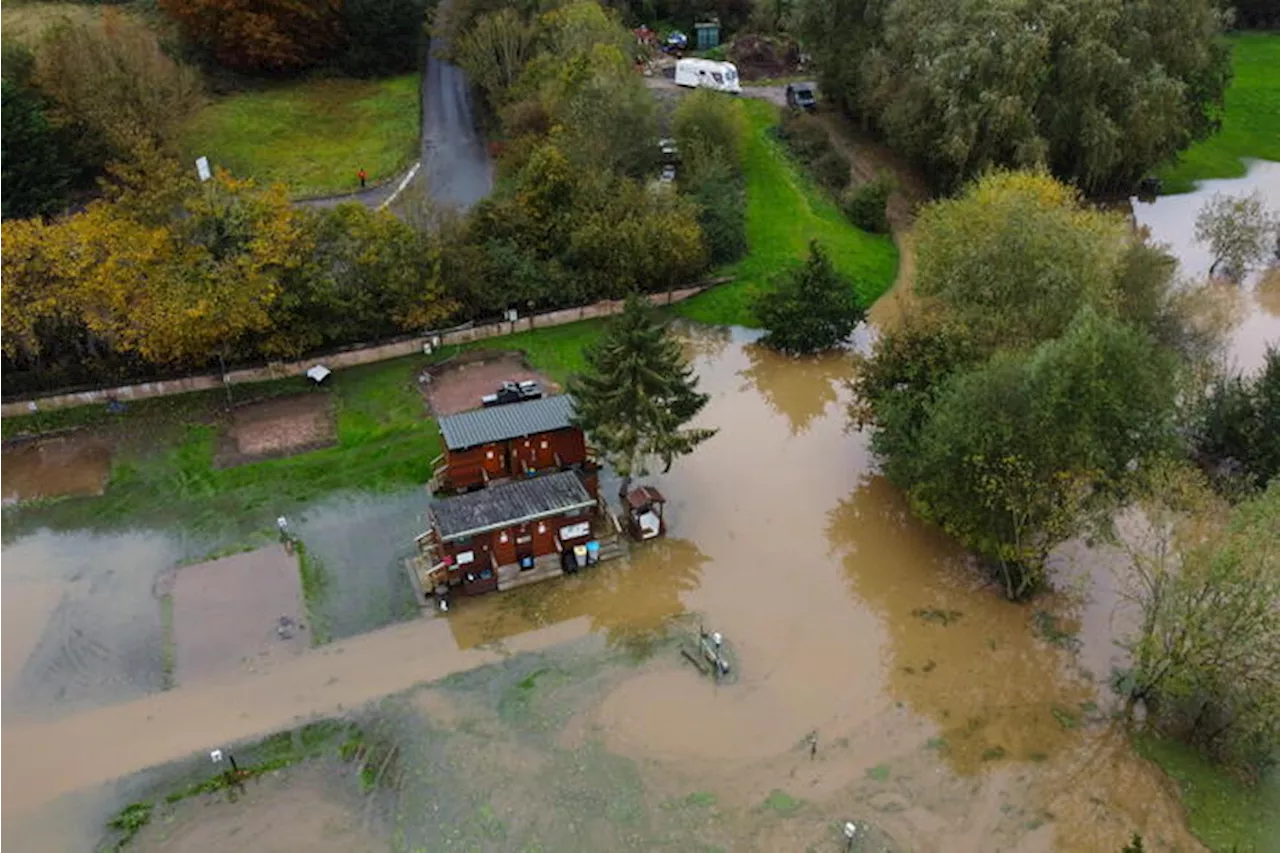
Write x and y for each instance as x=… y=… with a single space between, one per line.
x=1255 y=304
x=55 y=467
x=847 y=618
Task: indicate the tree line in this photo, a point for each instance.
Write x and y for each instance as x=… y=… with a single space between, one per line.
x=1099 y=91
x=1054 y=374
x=162 y=274
x=88 y=93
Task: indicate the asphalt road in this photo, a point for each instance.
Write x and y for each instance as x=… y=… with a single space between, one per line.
x=455 y=161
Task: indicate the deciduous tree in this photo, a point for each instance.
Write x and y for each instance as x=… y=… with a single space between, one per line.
x=1011 y=455
x=112 y=78
x=40 y=273
x=708 y=124
x=1101 y=91
x=1240 y=231
x=262 y=35
x=1239 y=427
x=638 y=395
x=1016 y=256
x=494 y=52
x=810 y=308
x=1206 y=655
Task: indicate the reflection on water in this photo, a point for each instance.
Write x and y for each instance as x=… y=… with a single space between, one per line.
x=630 y=600
x=800 y=389
x=1172 y=221
x=958 y=652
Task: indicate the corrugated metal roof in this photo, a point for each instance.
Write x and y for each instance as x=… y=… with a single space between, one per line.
x=501 y=506
x=500 y=423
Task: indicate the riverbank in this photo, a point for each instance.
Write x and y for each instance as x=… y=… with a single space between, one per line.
x=784 y=212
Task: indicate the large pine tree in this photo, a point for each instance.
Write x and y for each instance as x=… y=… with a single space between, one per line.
x=638 y=394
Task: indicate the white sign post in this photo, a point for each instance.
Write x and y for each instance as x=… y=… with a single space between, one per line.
x=202 y=169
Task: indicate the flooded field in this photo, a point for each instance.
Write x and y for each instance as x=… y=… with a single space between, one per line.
x=81 y=624
x=1255 y=304
x=55 y=467
x=360 y=541
x=945 y=718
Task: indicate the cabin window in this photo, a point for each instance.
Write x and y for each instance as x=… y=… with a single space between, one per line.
x=715 y=75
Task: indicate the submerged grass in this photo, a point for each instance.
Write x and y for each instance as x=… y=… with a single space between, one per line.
x=784 y=212
x=312 y=135
x=1251 y=125
x=314 y=581
x=1227 y=815
x=272 y=753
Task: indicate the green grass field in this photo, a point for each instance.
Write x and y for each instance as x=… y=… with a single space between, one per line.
x=165 y=478
x=163 y=475
x=1226 y=815
x=784 y=212
x=1251 y=126
x=313 y=135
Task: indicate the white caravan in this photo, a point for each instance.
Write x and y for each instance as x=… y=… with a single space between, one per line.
x=706 y=74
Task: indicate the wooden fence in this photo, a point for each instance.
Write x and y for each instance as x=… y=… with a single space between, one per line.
x=343 y=358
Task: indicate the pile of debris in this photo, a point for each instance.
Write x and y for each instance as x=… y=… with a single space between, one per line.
x=763 y=57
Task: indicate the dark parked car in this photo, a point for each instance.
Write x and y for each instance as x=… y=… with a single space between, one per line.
x=512 y=392
x=800 y=96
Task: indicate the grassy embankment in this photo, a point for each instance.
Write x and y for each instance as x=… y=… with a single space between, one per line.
x=784 y=212
x=1226 y=815
x=1251 y=126
x=312 y=135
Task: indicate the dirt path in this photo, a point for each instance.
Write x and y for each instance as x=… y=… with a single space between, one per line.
x=868 y=158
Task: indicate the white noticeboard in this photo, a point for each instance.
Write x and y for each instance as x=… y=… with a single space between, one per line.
x=202 y=169
x=466 y=557
x=575 y=531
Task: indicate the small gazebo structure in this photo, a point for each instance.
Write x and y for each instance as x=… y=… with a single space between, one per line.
x=645 y=513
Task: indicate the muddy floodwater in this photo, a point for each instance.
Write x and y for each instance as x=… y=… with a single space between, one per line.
x=945 y=718
x=55 y=467
x=1253 y=305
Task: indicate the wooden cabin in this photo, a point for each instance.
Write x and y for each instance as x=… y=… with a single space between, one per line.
x=493 y=445
x=488 y=539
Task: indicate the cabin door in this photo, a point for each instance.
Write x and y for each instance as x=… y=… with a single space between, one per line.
x=524 y=542
x=495 y=461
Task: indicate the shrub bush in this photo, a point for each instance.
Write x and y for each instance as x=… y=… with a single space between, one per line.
x=805 y=136
x=717 y=188
x=865 y=204
x=831 y=170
